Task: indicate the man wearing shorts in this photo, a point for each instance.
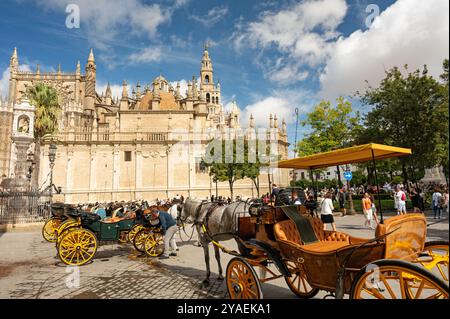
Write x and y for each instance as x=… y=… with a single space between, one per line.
x=367 y=209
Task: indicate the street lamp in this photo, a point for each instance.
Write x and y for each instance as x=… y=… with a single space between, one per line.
x=51 y=158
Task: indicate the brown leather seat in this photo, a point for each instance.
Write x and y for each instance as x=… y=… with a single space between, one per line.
x=286 y=231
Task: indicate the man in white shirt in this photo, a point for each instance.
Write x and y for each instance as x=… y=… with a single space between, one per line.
x=436 y=203
x=400 y=201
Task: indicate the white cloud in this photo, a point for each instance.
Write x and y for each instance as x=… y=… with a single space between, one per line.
x=412 y=32
x=146 y=55
x=105 y=20
x=4 y=83
x=302 y=34
x=212 y=17
x=4 y=80
x=261 y=111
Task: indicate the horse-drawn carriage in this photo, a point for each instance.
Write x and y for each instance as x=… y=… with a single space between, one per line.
x=77 y=233
x=397 y=263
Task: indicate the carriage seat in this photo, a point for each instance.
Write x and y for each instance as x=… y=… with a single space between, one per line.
x=329 y=241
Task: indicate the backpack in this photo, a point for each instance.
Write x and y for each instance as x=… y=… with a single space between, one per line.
x=403 y=196
x=442 y=201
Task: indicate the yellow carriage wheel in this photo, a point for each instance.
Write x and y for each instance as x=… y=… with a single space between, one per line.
x=242 y=281
x=154 y=244
x=123 y=237
x=439 y=253
x=77 y=247
x=139 y=240
x=134 y=230
x=49 y=231
x=397 y=279
x=298 y=282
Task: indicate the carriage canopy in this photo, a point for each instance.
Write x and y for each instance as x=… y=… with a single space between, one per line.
x=350 y=155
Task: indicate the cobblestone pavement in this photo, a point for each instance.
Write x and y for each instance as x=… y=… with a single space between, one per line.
x=29 y=269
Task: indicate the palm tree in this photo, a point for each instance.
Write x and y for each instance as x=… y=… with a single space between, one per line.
x=45 y=100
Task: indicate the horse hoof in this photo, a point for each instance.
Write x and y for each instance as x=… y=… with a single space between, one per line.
x=205 y=283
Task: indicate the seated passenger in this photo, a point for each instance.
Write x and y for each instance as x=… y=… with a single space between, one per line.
x=295 y=199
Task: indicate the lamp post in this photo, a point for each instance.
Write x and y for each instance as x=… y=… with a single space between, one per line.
x=51 y=158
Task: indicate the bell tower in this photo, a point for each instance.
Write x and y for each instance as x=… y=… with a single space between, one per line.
x=91 y=74
x=211 y=91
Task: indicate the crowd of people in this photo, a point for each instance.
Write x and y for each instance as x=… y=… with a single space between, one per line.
x=323 y=202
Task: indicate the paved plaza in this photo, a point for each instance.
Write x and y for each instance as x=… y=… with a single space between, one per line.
x=29 y=269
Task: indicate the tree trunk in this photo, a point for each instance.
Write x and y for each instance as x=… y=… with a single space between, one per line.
x=405 y=175
x=256 y=183
x=339 y=176
x=231 y=189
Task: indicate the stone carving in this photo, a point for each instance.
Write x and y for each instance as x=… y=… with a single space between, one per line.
x=24 y=125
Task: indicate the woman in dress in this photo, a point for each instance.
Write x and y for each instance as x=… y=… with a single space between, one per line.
x=326 y=214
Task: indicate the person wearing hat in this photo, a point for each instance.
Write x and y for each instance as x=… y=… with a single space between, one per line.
x=169 y=228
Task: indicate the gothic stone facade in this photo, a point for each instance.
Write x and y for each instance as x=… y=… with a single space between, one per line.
x=144 y=145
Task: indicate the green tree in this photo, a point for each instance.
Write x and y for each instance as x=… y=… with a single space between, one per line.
x=47 y=109
x=443 y=137
x=407 y=112
x=332 y=127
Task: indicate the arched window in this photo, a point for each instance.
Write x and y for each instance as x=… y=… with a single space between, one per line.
x=208 y=97
x=206 y=78
x=217 y=100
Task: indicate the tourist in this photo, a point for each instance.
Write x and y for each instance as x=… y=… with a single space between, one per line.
x=436 y=203
x=326 y=212
x=400 y=200
x=367 y=209
x=421 y=200
x=374 y=209
x=169 y=228
x=295 y=199
x=275 y=191
x=266 y=199
x=311 y=205
x=414 y=195
x=445 y=208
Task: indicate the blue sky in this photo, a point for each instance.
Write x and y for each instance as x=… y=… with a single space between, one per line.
x=270 y=56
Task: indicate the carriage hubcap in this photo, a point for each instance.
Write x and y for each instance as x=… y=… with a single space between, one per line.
x=237 y=288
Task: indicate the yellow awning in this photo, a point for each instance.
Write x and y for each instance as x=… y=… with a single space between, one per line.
x=354 y=154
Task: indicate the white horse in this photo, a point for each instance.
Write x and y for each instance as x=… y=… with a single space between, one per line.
x=220 y=224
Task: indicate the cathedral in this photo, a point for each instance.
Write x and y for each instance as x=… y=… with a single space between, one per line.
x=145 y=144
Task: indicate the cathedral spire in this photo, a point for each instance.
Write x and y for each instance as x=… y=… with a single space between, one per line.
x=91 y=56
x=108 y=90
x=14 y=62
x=124 y=90
x=78 y=70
